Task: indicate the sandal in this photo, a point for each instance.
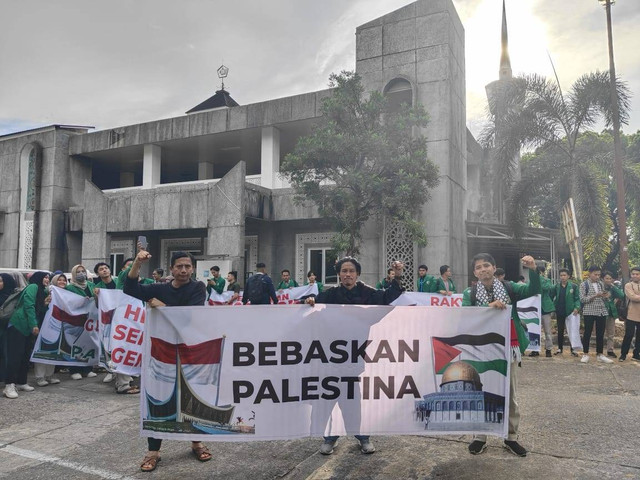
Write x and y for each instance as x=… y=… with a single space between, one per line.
x=202 y=453
x=129 y=391
x=149 y=463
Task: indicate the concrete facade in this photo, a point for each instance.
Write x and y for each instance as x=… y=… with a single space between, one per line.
x=209 y=182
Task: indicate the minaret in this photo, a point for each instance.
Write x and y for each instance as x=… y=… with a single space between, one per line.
x=505 y=62
x=495 y=91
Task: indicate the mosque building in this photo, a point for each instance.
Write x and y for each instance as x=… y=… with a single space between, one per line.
x=208 y=182
x=460 y=404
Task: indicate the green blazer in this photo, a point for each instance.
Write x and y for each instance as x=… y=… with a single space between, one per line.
x=122 y=277
x=440 y=285
x=616 y=293
x=546 y=301
x=521 y=290
x=77 y=290
x=218 y=287
x=571 y=299
x=24 y=316
x=290 y=284
x=427 y=286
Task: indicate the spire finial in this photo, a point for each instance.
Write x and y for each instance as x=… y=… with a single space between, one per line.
x=505 y=63
x=222 y=74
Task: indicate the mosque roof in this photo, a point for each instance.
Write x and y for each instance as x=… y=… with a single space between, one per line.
x=221 y=99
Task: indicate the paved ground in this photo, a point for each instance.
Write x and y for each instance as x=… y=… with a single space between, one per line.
x=578 y=422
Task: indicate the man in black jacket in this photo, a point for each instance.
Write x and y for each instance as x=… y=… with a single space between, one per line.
x=351 y=291
x=181 y=291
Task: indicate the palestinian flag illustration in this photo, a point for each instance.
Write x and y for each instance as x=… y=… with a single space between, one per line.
x=487 y=353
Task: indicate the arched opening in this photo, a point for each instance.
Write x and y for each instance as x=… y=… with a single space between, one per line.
x=398 y=91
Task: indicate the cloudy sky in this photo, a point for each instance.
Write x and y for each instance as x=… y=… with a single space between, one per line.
x=110 y=63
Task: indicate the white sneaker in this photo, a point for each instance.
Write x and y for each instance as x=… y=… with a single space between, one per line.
x=25 y=388
x=52 y=380
x=107 y=378
x=584 y=359
x=603 y=359
x=76 y=376
x=41 y=382
x=10 y=391
x=92 y=374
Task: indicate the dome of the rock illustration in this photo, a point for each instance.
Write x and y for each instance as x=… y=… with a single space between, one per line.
x=461 y=371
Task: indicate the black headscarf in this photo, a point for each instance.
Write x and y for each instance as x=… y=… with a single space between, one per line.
x=8 y=288
x=41 y=308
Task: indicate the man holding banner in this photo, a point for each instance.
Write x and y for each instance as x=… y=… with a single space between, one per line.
x=353 y=292
x=181 y=291
x=491 y=292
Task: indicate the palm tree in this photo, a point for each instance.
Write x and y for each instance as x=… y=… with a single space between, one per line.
x=534 y=114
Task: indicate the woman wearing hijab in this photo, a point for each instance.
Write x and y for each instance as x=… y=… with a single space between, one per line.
x=7 y=286
x=80 y=285
x=23 y=324
x=59 y=281
x=44 y=372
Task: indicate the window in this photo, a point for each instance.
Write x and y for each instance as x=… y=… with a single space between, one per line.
x=321 y=261
x=116 y=260
x=398 y=91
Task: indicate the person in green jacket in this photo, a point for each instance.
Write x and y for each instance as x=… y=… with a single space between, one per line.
x=107 y=281
x=615 y=293
x=124 y=271
x=425 y=283
x=444 y=284
x=386 y=281
x=491 y=292
x=286 y=281
x=25 y=321
x=312 y=278
x=80 y=285
x=216 y=282
x=566 y=298
x=548 y=308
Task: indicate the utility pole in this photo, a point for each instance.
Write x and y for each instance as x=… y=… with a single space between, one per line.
x=622 y=215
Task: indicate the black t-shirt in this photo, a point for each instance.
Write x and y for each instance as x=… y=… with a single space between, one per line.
x=361 y=294
x=561 y=307
x=192 y=293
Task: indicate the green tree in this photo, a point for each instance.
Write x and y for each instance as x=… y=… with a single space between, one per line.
x=536 y=115
x=363 y=160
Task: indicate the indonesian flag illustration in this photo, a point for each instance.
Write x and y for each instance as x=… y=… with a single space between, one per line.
x=200 y=362
x=68 y=309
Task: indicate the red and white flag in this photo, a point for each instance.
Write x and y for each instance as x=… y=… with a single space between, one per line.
x=200 y=363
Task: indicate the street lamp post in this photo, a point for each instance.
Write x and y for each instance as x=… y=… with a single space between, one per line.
x=622 y=215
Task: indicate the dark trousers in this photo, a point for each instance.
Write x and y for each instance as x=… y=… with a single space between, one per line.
x=601 y=323
x=80 y=370
x=561 y=318
x=629 y=327
x=17 y=354
x=154 y=444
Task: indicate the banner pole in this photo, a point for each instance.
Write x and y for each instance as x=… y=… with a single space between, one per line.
x=220 y=368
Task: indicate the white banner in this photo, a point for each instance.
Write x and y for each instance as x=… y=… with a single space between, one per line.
x=285 y=297
x=294 y=371
x=69 y=333
x=530 y=312
x=121 y=330
x=428 y=299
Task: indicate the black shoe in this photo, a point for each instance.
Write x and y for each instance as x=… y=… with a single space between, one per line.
x=574 y=354
x=547 y=353
x=559 y=352
x=477 y=447
x=515 y=448
x=622 y=358
x=611 y=354
x=637 y=359
x=534 y=354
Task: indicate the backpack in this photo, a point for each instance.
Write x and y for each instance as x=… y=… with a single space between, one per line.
x=8 y=308
x=255 y=289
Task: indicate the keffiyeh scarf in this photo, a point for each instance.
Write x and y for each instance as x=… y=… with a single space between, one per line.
x=496 y=292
